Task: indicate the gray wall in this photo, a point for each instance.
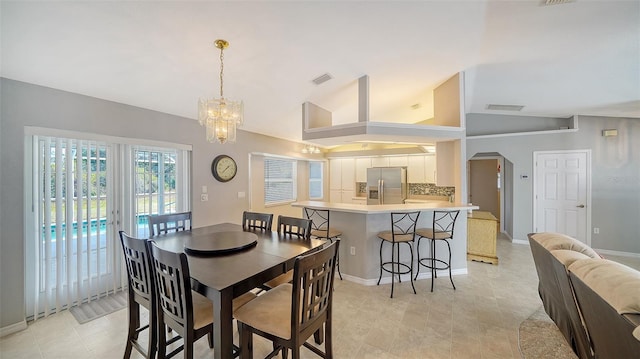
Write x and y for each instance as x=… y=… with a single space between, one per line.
x=30 y=105
x=486 y=124
x=615 y=176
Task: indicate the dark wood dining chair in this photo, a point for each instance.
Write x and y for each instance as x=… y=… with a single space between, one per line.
x=442 y=228
x=321 y=228
x=403 y=230
x=166 y=223
x=291 y=313
x=141 y=293
x=291 y=227
x=255 y=220
x=188 y=313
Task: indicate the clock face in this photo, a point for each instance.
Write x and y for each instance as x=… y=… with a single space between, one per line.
x=224 y=168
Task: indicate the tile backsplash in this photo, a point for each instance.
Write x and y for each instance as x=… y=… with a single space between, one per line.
x=416 y=189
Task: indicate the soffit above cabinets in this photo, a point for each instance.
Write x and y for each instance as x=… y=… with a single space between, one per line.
x=447 y=125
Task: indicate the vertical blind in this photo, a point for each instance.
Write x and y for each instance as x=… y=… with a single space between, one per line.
x=75 y=243
x=83 y=192
x=279 y=180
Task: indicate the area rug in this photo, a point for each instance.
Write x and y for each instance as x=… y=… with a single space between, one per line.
x=539 y=337
x=98 y=308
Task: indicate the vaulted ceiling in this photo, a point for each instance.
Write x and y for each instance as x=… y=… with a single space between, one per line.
x=577 y=58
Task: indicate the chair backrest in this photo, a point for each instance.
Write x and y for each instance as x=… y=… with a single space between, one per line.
x=172 y=279
x=319 y=218
x=165 y=223
x=139 y=270
x=294 y=226
x=444 y=221
x=312 y=294
x=403 y=223
x=254 y=220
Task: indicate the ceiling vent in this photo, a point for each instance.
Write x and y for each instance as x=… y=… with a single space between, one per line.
x=555 y=2
x=504 y=107
x=322 y=79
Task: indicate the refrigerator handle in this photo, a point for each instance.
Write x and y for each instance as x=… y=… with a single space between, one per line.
x=381 y=191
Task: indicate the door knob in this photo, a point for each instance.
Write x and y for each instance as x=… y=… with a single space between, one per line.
x=580 y=206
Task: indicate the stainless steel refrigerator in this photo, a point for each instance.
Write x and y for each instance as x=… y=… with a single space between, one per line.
x=386 y=185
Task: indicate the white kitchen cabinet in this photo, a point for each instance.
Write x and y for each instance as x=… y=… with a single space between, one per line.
x=362 y=164
x=380 y=162
x=398 y=161
x=421 y=169
x=430 y=168
x=342 y=186
x=415 y=169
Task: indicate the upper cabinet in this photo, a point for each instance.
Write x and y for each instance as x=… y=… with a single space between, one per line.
x=342 y=182
x=398 y=161
x=421 y=169
x=380 y=162
x=361 y=168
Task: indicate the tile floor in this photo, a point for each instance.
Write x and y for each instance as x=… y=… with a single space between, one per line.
x=478 y=320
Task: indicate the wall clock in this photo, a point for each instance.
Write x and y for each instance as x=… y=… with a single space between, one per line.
x=224 y=168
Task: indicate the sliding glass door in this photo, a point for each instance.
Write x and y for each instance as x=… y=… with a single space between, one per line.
x=82 y=193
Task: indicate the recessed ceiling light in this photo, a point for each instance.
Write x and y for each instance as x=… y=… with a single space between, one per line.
x=504 y=107
x=322 y=79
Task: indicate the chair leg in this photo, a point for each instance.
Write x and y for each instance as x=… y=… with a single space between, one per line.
x=318 y=336
x=449 y=264
x=418 y=255
x=380 y=277
x=337 y=260
x=153 y=336
x=162 y=340
x=134 y=323
x=433 y=262
x=398 y=262
x=246 y=341
x=392 y=261
x=411 y=268
x=328 y=343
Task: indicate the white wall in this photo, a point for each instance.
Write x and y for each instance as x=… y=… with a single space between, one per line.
x=30 y=105
x=615 y=176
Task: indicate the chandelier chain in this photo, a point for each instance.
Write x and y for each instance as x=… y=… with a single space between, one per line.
x=221 y=70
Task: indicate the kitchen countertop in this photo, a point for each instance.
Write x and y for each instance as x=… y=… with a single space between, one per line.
x=384 y=208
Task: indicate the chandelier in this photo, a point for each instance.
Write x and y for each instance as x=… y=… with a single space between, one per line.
x=310 y=149
x=220 y=116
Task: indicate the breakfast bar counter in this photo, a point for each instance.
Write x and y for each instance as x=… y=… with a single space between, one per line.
x=360 y=245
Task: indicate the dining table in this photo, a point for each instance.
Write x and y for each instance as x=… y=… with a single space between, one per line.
x=224 y=274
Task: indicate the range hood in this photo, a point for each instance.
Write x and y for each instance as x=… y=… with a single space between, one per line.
x=317 y=124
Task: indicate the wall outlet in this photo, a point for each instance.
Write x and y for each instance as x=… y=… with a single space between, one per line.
x=204 y=197
x=596 y=230
x=353 y=250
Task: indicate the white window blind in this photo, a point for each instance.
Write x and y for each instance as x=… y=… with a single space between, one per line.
x=315 y=180
x=279 y=180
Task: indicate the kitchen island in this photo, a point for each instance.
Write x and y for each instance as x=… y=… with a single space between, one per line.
x=360 y=245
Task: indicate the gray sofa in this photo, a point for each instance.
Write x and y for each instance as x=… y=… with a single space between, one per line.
x=575 y=285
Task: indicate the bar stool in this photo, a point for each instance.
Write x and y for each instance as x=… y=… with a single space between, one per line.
x=320 y=228
x=403 y=230
x=441 y=230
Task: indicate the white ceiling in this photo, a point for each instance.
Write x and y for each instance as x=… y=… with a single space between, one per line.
x=579 y=58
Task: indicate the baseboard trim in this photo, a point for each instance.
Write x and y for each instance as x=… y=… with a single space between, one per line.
x=617 y=253
x=404 y=277
x=520 y=241
x=507 y=235
x=13 y=328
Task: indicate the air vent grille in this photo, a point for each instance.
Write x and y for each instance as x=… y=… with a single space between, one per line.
x=555 y=2
x=504 y=107
x=322 y=79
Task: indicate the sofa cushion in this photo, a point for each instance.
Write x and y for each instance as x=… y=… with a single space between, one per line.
x=552 y=241
x=616 y=283
x=567 y=257
x=636 y=333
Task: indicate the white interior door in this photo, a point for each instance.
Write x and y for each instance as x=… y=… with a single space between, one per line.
x=562 y=193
